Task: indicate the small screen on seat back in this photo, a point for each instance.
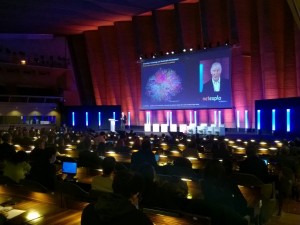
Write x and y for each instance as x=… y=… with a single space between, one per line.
x=69 y=167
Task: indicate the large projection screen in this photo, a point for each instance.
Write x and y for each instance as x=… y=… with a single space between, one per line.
x=185 y=81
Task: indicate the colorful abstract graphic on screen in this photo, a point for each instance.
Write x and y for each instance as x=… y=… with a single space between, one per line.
x=163 y=85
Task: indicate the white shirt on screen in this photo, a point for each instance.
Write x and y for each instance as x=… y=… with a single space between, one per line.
x=216 y=85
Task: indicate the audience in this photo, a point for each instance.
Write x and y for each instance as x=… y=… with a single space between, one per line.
x=224 y=195
x=104 y=181
x=164 y=192
x=254 y=165
x=144 y=155
x=36 y=153
x=119 y=207
x=7 y=150
x=222 y=201
x=17 y=167
x=44 y=171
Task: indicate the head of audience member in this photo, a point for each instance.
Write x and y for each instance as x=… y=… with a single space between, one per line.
x=129 y=185
x=18 y=157
x=182 y=162
x=214 y=172
x=40 y=143
x=251 y=150
x=108 y=165
x=6 y=138
x=49 y=154
x=146 y=146
x=216 y=70
x=148 y=173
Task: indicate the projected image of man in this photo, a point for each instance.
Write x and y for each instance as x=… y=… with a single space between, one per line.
x=217 y=85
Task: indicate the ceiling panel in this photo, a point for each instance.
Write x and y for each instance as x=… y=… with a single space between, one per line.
x=65 y=17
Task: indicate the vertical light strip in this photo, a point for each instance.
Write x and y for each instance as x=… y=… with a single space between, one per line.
x=246 y=120
x=219 y=118
x=215 y=117
x=73 y=119
x=288 y=120
x=147 y=117
x=168 y=117
x=114 y=115
x=238 y=118
x=195 y=117
x=273 y=119
x=201 y=75
x=171 y=117
x=191 y=120
x=99 y=119
x=258 y=119
x=128 y=119
x=86 y=119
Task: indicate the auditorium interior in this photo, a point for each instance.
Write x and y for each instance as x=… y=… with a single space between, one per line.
x=70 y=70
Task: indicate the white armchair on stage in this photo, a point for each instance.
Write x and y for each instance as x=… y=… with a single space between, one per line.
x=191 y=128
x=147 y=127
x=183 y=128
x=164 y=128
x=112 y=124
x=155 y=127
x=173 y=127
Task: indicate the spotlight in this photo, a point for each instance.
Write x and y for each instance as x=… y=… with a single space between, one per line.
x=191 y=49
x=184 y=50
x=172 y=52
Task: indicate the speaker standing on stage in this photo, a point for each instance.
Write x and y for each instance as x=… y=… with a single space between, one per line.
x=123 y=121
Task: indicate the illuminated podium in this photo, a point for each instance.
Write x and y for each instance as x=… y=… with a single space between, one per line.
x=112 y=124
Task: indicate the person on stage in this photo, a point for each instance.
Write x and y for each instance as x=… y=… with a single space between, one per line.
x=216 y=85
x=123 y=121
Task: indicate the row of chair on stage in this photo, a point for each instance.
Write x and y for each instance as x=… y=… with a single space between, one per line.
x=192 y=128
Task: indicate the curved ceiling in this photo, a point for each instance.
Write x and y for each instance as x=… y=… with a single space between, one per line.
x=66 y=17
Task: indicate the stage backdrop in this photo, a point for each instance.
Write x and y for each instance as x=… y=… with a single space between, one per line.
x=278 y=116
x=91 y=117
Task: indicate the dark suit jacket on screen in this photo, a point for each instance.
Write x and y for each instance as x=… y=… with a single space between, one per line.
x=225 y=89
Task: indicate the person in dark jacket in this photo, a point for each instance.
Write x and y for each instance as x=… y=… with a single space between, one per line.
x=255 y=165
x=44 y=170
x=7 y=150
x=120 y=207
x=144 y=155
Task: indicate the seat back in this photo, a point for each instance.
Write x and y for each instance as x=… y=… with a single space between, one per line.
x=72 y=195
x=5 y=180
x=32 y=185
x=247 y=180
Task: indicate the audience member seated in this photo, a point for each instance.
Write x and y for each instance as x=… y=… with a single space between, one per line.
x=223 y=194
x=255 y=165
x=44 y=170
x=35 y=154
x=220 y=149
x=287 y=167
x=191 y=150
x=144 y=155
x=119 y=207
x=89 y=159
x=161 y=192
x=136 y=143
x=182 y=168
x=104 y=181
x=6 y=149
x=99 y=142
x=85 y=143
x=17 y=167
